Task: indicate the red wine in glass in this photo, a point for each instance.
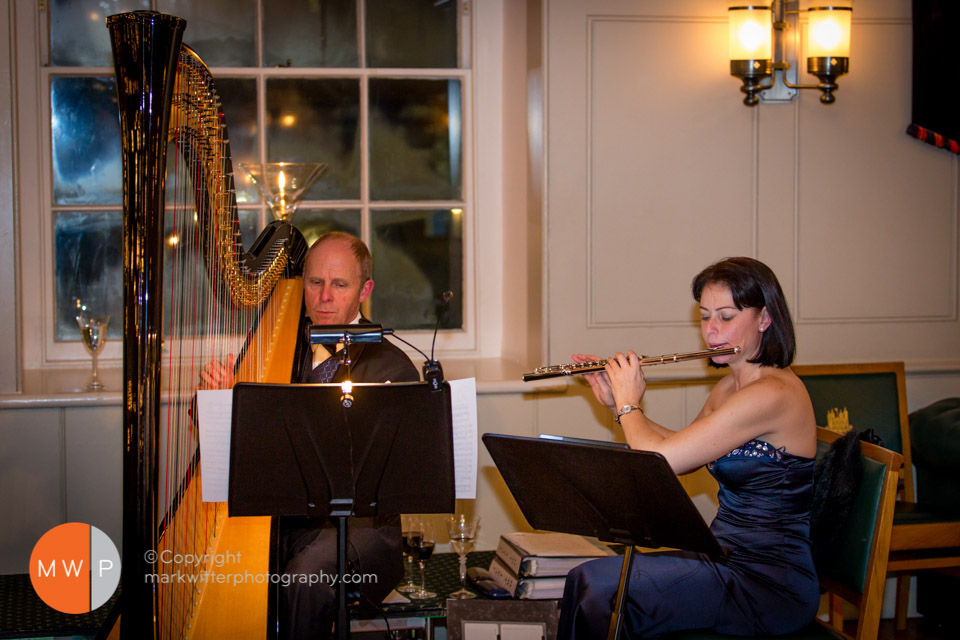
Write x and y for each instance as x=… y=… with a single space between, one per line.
x=411 y=544
x=422 y=548
x=411 y=541
x=425 y=550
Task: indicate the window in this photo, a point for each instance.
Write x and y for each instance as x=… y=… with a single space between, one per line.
x=374 y=88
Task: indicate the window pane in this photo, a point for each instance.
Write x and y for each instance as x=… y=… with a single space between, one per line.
x=88 y=254
x=313 y=223
x=412 y=33
x=88 y=267
x=239 y=98
x=88 y=246
x=310 y=33
x=418 y=255
x=85 y=136
x=238 y=101
x=78 y=31
x=250 y=226
x=196 y=310
x=220 y=31
x=414 y=139
x=316 y=120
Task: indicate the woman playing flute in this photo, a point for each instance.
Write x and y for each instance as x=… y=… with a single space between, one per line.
x=757 y=436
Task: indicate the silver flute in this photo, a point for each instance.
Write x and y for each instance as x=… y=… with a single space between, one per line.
x=572 y=369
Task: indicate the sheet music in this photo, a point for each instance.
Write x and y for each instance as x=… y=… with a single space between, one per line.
x=213 y=419
x=463 y=405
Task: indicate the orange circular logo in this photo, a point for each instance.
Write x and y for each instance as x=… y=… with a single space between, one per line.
x=75 y=568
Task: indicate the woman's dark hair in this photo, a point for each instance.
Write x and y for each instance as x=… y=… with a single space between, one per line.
x=753 y=284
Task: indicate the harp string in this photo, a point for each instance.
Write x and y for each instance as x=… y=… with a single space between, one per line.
x=203 y=324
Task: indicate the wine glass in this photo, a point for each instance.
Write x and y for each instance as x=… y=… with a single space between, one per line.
x=463 y=534
x=93 y=333
x=410 y=530
x=422 y=549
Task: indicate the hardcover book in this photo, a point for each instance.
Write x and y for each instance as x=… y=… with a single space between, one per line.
x=526 y=588
x=543 y=555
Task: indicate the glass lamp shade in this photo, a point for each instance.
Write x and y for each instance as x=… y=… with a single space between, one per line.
x=283 y=184
x=828 y=32
x=751 y=32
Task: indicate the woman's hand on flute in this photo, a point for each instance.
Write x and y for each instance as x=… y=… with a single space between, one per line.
x=625 y=378
x=599 y=382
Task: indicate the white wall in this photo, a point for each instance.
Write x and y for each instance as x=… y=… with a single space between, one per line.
x=656 y=169
x=58 y=464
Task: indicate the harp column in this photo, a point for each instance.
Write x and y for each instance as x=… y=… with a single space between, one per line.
x=146 y=47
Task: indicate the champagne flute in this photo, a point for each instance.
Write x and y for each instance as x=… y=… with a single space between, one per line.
x=423 y=551
x=410 y=530
x=463 y=534
x=93 y=332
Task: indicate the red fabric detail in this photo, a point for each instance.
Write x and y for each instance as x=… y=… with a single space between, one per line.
x=936 y=139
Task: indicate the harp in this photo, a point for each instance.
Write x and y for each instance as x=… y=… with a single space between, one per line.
x=191 y=293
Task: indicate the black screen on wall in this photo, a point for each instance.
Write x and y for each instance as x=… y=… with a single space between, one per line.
x=935 y=116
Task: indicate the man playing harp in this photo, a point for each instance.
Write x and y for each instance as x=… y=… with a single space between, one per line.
x=337 y=280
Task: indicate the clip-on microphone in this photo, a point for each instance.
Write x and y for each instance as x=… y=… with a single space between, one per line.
x=432 y=371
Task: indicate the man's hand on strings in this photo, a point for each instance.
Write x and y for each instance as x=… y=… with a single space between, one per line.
x=218 y=374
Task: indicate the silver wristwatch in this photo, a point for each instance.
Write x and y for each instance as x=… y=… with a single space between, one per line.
x=625 y=409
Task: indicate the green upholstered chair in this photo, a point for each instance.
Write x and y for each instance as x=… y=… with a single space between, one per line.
x=858 y=569
x=873 y=395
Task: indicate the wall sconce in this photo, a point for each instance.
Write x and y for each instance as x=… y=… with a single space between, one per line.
x=764 y=45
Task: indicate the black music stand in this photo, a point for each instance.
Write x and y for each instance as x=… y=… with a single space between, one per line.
x=315 y=456
x=604 y=490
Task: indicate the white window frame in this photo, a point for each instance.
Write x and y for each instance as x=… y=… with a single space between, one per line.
x=482 y=317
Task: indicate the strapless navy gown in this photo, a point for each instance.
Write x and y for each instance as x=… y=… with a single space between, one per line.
x=765 y=585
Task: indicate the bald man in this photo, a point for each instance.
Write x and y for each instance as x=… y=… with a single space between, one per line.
x=337 y=279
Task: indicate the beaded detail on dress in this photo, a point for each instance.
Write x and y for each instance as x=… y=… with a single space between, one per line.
x=758 y=449
x=755 y=449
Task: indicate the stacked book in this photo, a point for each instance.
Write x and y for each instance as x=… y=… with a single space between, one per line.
x=534 y=566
